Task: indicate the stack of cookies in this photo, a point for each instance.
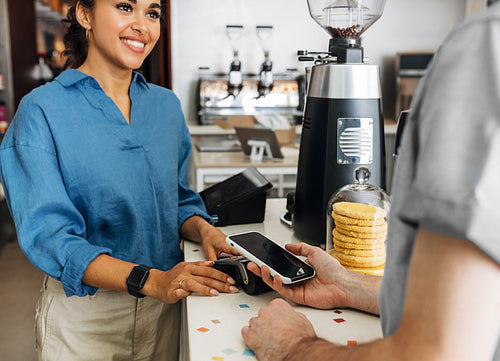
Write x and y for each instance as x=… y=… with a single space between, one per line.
x=359 y=237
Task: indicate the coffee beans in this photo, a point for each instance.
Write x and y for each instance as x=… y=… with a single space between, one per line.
x=350 y=32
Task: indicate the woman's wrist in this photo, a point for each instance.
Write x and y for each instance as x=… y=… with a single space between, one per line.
x=196 y=229
x=151 y=285
x=205 y=229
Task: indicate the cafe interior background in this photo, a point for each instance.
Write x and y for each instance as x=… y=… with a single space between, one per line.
x=194 y=43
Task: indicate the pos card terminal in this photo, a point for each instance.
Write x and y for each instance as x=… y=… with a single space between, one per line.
x=236 y=267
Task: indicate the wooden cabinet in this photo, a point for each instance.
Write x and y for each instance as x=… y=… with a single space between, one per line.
x=410 y=68
x=22 y=42
x=6 y=84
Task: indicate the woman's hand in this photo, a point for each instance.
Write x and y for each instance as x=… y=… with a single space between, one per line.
x=325 y=290
x=214 y=243
x=212 y=239
x=186 y=278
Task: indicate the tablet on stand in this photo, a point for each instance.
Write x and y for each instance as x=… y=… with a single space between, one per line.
x=259 y=142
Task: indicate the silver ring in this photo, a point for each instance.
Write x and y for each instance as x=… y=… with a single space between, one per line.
x=180 y=282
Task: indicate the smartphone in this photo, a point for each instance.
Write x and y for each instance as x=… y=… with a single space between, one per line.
x=263 y=251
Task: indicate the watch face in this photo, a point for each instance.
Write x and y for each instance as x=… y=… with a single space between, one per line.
x=137 y=277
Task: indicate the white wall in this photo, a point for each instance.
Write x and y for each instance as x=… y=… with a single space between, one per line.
x=199 y=39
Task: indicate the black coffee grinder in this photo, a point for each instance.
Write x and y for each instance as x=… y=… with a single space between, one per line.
x=343 y=125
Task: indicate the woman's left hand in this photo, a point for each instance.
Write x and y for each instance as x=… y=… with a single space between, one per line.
x=212 y=239
x=214 y=243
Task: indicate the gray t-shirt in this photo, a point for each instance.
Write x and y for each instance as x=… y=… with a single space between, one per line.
x=447 y=176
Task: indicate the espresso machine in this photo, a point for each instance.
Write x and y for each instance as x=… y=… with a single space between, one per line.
x=343 y=125
x=268 y=94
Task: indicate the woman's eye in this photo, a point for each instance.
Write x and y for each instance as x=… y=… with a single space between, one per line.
x=155 y=15
x=124 y=7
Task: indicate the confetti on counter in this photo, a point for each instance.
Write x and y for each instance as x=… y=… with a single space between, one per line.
x=217 y=358
x=352 y=342
x=203 y=329
x=215 y=321
x=248 y=352
x=337 y=312
x=244 y=305
x=196 y=250
x=228 y=351
x=339 y=320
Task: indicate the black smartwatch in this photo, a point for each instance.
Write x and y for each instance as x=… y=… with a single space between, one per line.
x=136 y=280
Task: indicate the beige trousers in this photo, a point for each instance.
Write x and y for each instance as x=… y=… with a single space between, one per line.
x=107 y=326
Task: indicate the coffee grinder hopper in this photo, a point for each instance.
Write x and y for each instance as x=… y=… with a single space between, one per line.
x=345 y=21
x=339 y=17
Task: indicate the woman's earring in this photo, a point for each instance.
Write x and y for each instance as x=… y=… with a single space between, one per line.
x=87 y=34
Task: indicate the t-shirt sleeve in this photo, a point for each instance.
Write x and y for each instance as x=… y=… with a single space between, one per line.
x=50 y=230
x=456 y=115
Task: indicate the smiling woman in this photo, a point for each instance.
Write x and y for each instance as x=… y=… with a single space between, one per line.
x=96 y=178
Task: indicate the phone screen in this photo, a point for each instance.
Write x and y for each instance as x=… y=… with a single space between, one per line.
x=274 y=256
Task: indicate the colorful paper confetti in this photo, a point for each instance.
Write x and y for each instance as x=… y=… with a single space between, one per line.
x=215 y=321
x=352 y=342
x=196 y=250
x=337 y=312
x=228 y=351
x=244 y=305
x=203 y=329
x=248 y=352
x=217 y=358
x=339 y=320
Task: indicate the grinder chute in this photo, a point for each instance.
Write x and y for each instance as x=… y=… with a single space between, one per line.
x=343 y=125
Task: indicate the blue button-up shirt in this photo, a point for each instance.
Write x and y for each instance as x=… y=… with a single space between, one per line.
x=80 y=181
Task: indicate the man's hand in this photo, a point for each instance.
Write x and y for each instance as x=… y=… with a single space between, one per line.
x=277 y=331
x=333 y=285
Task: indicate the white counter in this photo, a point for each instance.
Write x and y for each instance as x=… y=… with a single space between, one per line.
x=212 y=325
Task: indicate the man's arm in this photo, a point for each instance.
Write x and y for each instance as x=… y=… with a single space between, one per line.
x=452 y=312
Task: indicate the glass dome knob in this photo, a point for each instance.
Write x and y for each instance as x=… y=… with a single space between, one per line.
x=361 y=175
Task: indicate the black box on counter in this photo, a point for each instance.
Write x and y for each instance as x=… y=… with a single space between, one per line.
x=239 y=199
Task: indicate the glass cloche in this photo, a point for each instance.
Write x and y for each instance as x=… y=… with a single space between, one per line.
x=356 y=225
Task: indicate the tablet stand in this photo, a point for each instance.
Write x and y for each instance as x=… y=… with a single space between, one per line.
x=260 y=149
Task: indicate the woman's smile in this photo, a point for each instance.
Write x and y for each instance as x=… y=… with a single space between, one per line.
x=134 y=44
